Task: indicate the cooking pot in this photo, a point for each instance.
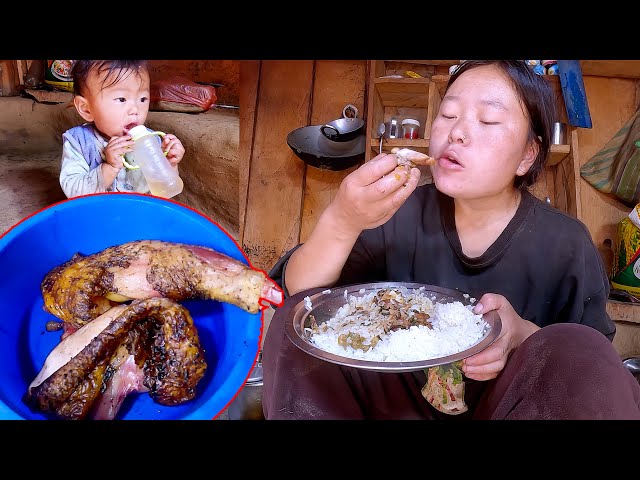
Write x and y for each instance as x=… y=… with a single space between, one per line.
x=346 y=128
x=315 y=149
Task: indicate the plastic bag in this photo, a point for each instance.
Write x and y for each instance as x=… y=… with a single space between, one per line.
x=615 y=169
x=179 y=94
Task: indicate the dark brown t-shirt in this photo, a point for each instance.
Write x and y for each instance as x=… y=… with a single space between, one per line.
x=544 y=262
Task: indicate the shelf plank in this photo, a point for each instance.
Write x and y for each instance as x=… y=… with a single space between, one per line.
x=557 y=154
x=403 y=92
x=418 y=144
x=622 y=311
x=611 y=68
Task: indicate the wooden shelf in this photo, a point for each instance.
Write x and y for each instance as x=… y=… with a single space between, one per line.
x=418 y=144
x=557 y=154
x=441 y=82
x=623 y=311
x=403 y=92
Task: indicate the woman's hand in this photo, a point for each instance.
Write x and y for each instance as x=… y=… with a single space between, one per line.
x=174 y=149
x=115 y=150
x=370 y=195
x=489 y=363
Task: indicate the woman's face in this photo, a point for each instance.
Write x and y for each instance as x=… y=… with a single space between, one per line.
x=479 y=138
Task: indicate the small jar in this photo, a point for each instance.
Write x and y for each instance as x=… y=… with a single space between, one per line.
x=410 y=128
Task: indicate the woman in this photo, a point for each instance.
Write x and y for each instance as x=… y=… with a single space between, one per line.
x=476 y=229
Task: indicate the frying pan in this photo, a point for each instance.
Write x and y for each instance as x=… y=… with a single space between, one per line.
x=315 y=149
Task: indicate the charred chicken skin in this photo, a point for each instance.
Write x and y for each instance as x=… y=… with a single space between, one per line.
x=149 y=346
x=85 y=287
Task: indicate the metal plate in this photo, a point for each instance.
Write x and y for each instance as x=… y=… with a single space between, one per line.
x=325 y=306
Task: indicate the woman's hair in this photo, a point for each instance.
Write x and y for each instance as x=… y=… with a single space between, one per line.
x=539 y=103
x=116 y=71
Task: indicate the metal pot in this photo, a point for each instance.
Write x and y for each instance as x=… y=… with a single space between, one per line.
x=248 y=404
x=346 y=128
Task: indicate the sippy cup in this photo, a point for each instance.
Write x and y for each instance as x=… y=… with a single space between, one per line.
x=162 y=178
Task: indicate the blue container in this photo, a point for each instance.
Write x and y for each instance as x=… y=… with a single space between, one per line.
x=229 y=335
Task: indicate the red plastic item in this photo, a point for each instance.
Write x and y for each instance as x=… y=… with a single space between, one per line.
x=182 y=90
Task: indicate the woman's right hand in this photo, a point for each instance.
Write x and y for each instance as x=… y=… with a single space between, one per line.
x=370 y=195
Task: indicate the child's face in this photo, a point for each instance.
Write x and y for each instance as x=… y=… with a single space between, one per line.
x=118 y=108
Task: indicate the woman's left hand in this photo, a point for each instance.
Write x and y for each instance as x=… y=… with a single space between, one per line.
x=174 y=149
x=489 y=363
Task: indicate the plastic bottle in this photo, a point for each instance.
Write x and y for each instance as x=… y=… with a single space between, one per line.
x=162 y=178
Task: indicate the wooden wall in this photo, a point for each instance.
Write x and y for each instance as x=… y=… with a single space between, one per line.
x=612 y=101
x=280 y=196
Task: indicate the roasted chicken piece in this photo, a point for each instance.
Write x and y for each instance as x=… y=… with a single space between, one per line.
x=149 y=346
x=85 y=287
x=411 y=158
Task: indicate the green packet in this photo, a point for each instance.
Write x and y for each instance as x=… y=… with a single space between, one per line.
x=444 y=389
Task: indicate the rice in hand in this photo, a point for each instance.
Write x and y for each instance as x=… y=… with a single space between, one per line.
x=398 y=325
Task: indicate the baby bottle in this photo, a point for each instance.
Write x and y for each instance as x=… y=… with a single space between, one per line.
x=162 y=178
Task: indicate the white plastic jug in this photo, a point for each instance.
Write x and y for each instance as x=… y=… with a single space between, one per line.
x=162 y=178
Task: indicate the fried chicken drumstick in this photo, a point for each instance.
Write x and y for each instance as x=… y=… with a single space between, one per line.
x=85 y=287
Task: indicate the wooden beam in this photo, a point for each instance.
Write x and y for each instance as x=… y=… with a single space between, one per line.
x=22 y=70
x=250 y=75
x=611 y=68
x=9 y=80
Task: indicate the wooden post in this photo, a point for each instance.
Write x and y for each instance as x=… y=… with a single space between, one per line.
x=9 y=81
x=250 y=75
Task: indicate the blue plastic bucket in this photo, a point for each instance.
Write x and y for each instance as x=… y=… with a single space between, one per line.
x=229 y=335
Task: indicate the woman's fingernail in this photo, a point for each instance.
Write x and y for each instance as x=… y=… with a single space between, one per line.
x=478 y=308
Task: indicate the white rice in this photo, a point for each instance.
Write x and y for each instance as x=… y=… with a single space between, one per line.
x=454 y=328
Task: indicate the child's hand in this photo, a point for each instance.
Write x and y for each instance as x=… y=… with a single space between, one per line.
x=174 y=147
x=115 y=149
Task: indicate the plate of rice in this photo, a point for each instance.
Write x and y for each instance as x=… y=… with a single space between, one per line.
x=391 y=326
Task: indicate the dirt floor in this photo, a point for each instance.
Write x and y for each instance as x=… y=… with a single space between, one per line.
x=27 y=184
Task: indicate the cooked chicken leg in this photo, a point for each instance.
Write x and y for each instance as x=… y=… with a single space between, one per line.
x=83 y=288
x=148 y=346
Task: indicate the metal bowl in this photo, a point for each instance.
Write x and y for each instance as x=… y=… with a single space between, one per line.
x=343 y=129
x=326 y=305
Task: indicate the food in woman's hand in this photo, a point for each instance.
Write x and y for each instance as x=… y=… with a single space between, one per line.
x=149 y=346
x=411 y=158
x=85 y=287
x=398 y=325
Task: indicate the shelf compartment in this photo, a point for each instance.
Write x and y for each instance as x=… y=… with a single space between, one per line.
x=403 y=92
